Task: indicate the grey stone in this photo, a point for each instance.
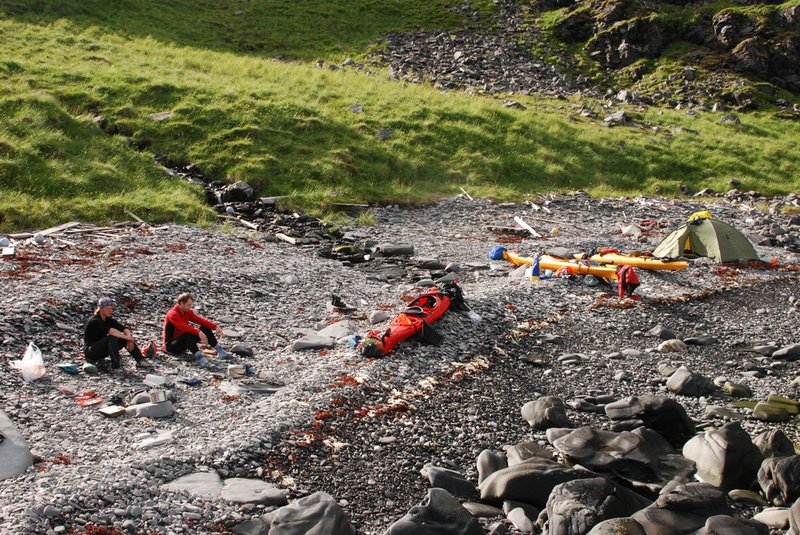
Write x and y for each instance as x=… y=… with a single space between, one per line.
x=255 y=526
x=337 y=330
x=243 y=350
x=488 y=463
x=15 y=456
x=449 y=480
x=642 y=457
x=688 y=383
x=702 y=340
x=662 y=414
x=316 y=514
x=241 y=490
x=314 y=341
x=774 y=517
x=672 y=346
x=774 y=443
x=521 y=520
x=779 y=479
x=546 y=412
x=730 y=525
x=682 y=508
x=378 y=316
x=794 y=518
x=530 y=482
x=439 y=514
x=736 y=390
x=139 y=399
x=659 y=331
x=725 y=457
x=482 y=510
x=524 y=451
x=200 y=484
x=747 y=497
x=290 y=280
x=575 y=507
x=151 y=410
x=790 y=352
x=618 y=526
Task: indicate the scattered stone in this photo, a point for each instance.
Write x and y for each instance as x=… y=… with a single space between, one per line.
x=774 y=517
x=768 y=412
x=737 y=390
x=659 y=331
x=774 y=443
x=151 y=410
x=378 y=316
x=530 y=482
x=314 y=341
x=790 y=352
x=672 y=346
x=488 y=463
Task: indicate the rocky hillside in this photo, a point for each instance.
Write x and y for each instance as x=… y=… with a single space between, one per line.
x=675 y=53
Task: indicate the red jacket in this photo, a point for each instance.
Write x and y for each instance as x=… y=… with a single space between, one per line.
x=180 y=323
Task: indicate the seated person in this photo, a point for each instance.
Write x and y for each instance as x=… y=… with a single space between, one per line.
x=104 y=337
x=180 y=335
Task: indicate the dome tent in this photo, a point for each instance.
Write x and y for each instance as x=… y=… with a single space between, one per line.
x=704 y=236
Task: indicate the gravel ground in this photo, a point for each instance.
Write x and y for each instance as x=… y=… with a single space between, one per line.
x=359 y=429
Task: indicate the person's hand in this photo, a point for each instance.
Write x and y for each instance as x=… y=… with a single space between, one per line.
x=219 y=332
x=203 y=338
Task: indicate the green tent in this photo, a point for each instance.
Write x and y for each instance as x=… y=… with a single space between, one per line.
x=703 y=236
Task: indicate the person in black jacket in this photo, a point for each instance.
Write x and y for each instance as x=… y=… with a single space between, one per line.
x=105 y=337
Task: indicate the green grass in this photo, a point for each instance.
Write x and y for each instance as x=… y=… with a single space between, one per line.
x=287 y=128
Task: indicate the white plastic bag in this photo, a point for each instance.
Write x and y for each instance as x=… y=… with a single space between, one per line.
x=31 y=366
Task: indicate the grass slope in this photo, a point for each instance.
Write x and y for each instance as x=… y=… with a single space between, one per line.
x=288 y=128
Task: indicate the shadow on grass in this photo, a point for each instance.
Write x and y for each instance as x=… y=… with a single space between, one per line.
x=300 y=30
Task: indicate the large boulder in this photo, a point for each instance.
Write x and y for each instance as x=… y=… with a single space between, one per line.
x=576 y=27
x=661 y=414
x=794 y=518
x=641 y=457
x=731 y=27
x=574 y=507
x=15 y=457
x=682 y=509
x=779 y=479
x=546 y=412
x=790 y=352
x=725 y=457
x=625 y=42
x=439 y=514
x=316 y=514
x=238 y=192
x=530 y=482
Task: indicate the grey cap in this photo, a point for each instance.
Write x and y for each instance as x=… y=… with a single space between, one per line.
x=106 y=302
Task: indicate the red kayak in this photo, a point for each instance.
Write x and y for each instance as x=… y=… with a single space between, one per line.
x=427 y=308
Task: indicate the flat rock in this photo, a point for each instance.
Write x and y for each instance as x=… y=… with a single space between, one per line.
x=242 y=490
x=672 y=346
x=314 y=341
x=482 y=510
x=774 y=517
x=618 y=526
x=205 y=485
x=337 y=330
x=151 y=410
x=15 y=456
x=659 y=331
x=730 y=525
x=774 y=443
x=702 y=340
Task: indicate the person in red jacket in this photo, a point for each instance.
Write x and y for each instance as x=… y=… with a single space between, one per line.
x=180 y=335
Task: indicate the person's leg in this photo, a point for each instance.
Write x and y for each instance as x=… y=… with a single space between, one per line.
x=114 y=346
x=213 y=342
x=98 y=350
x=184 y=342
x=134 y=350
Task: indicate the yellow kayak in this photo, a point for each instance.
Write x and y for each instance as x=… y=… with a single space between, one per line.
x=551 y=262
x=644 y=262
